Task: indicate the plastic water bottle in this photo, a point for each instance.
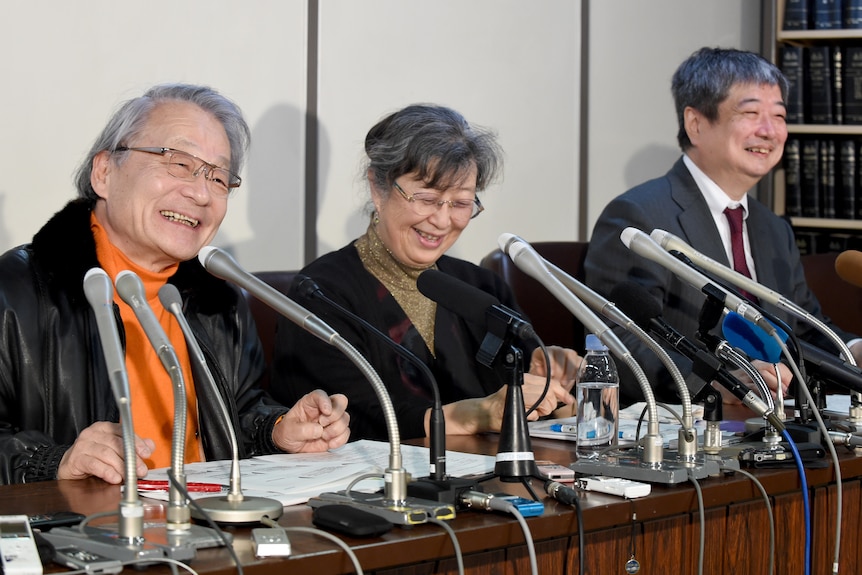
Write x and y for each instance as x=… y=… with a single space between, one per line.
x=597 y=393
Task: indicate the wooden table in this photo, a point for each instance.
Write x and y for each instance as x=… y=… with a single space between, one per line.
x=666 y=527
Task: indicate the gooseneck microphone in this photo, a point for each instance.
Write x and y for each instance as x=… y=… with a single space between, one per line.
x=848 y=266
x=395 y=500
x=635 y=300
x=131 y=290
x=645 y=246
x=308 y=288
x=233 y=507
x=531 y=263
x=100 y=293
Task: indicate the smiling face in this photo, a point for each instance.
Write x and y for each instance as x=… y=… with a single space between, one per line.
x=414 y=240
x=745 y=142
x=156 y=219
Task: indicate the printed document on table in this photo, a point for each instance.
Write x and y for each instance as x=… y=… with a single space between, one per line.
x=294 y=477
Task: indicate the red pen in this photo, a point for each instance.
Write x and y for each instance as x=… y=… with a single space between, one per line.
x=191 y=487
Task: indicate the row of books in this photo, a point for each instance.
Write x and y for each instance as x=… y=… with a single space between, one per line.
x=825 y=84
x=822 y=14
x=821 y=242
x=823 y=178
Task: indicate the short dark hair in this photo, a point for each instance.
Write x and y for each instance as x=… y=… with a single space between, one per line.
x=434 y=142
x=131 y=118
x=704 y=81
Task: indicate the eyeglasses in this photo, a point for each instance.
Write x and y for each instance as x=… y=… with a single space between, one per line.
x=184 y=166
x=428 y=203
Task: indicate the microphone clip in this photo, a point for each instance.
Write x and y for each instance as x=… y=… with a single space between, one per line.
x=502 y=325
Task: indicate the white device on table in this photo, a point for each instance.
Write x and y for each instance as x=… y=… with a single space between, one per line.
x=18 y=552
x=615 y=486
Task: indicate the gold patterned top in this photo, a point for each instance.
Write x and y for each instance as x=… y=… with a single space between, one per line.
x=400 y=280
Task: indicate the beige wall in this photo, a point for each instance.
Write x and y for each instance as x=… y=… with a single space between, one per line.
x=508 y=64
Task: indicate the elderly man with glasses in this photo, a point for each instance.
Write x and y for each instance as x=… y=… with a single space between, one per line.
x=425 y=165
x=153 y=191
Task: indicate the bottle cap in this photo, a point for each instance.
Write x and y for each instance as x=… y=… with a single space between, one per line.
x=594 y=343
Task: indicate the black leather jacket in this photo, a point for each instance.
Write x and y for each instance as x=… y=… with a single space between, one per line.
x=53 y=378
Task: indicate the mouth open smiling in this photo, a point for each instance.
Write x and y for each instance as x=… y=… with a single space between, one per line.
x=175 y=217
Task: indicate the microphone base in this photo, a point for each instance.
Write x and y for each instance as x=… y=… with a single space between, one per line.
x=246 y=510
x=668 y=471
x=411 y=511
x=799 y=433
x=448 y=490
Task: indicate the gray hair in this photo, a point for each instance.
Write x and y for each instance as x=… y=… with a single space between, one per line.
x=435 y=143
x=705 y=79
x=132 y=116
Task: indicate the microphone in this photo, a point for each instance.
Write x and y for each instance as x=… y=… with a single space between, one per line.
x=233 y=507
x=100 y=293
x=643 y=245
x=515 y=459
x=848 y=266
x=531 y=263
x=393 y=504
x=477 y=307
x=646 y=311
x=308 y=288
x=752 y=340
x=131 y=290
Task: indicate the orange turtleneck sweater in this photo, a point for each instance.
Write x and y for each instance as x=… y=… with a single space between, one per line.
x=150 y=384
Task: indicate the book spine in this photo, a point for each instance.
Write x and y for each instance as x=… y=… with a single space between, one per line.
x=846 y=182
x=837 y=78
x=793 y=68
x=852 y=85
x=796 y=15
x=792 y=178
x=806 y=242
x=852 y=16
x=827 y=179
x=819 y=85
x=811 y=178
x=826 y=14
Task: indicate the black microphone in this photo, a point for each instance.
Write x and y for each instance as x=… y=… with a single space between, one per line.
x=477 y=307
x=100 y=293
x=308 y=288
x=645 y=310
x=233 y=507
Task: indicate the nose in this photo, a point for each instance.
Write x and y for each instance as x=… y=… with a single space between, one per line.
x=770 y=127
x=442 y=217
x=198 y=188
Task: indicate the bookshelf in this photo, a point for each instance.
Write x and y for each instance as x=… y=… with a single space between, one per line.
x=819 y=183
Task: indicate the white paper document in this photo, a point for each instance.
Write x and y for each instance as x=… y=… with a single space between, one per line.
x=294 y=477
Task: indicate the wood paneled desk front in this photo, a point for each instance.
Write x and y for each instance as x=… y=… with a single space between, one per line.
x=666 y=527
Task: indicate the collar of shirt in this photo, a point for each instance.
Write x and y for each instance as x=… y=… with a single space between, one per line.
x=717 y=201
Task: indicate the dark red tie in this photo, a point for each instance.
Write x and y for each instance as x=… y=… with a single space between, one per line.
x=737 y=246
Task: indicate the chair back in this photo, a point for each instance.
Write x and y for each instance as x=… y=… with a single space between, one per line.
x=266 y=318
x=841 y=301
x=552 y=321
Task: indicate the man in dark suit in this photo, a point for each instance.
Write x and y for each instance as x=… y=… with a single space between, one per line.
x=731 y=113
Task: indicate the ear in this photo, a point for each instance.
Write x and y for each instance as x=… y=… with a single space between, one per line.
x=376 y=196
x=692 y=120
x=101 y=172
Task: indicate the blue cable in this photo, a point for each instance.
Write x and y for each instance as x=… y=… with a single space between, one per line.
x=805 y=504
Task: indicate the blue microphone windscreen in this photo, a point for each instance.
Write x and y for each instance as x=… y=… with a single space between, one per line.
x=752 y=339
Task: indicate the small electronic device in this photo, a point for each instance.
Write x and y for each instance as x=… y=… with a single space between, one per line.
x=18 y=553
x=555 y=471
x=350 y=521
x=270 y=542
x=526 y=507
x=88 y=561
x=615 y=486
x=45 y=521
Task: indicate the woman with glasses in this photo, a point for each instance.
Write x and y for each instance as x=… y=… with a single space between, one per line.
x=425 y=165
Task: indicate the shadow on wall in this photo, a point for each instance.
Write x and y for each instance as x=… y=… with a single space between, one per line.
x=274 y=185
x=4 y=237
x=648 y=163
